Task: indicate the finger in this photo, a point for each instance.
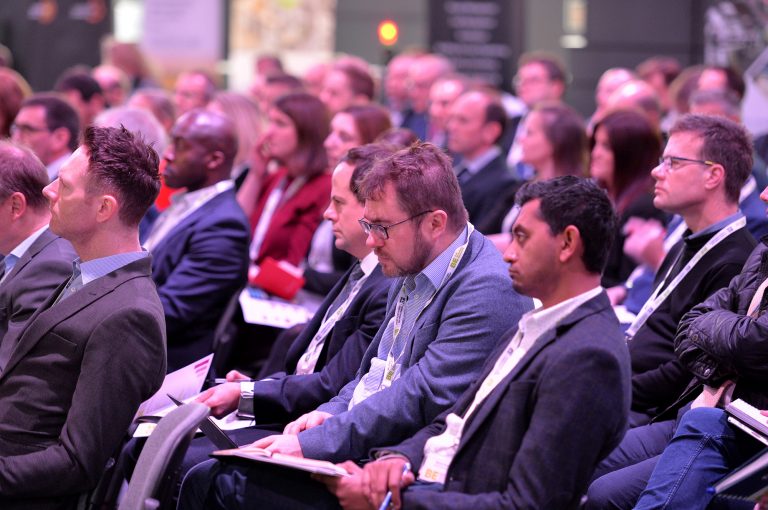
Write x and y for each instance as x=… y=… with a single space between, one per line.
x=314 y=420
x=395 y=477
x=204 y=396
x=234 y=375
x=264 y=442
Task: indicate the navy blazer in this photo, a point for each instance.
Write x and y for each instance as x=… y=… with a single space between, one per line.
x=197 y=267
x=480 y=191
x=444 y=352
x=288 y=396
x=536 y=439
x=46 y=264
x=78 y=372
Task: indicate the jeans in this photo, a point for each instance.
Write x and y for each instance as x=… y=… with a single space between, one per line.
x=704 y=449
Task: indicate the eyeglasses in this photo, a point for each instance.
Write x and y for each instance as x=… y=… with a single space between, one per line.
x=26 y=128
x=382 y=231
x=674 y=163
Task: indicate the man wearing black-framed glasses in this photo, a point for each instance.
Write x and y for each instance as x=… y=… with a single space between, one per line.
x=49 y=126
x=699 y=177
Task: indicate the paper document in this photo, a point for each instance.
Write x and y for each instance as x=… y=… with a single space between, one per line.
x=321 y=467
x=272 y=312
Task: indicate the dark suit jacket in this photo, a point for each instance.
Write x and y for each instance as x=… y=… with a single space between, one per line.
x=78 y=373
x=536 y=439
x=480 y=192
x=295 y=221
x=197 y=267
x=46 y=264
x=287 y=397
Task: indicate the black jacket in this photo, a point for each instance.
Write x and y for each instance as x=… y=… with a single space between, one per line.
x=718 y=341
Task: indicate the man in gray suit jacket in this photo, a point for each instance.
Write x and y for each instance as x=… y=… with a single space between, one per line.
x=445 y=315
x=95 y=349
x=36 y=260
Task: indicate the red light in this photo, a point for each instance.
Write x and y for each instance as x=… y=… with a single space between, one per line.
x=388 y=32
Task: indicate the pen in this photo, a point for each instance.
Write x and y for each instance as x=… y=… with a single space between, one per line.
x=220 y=380
x=388 y=498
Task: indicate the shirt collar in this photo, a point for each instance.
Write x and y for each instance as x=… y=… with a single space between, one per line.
x=436 y=269
x=202 y=195
x=23 y=246
x=97 y=268
x=547 y=318
x=715 y=227
x=369 y=263
x=477 y=164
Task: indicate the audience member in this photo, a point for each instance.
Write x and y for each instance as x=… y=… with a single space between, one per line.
x=95 y=349
x=396 y=85
x=625 y=148
x=452 y=288
x=36 y=260
x=475 y=125
x=243 y=112
x=158 y=102
x=114 y=84
x=399 y=137
x=193 y=89
x=314 y=77
x=128 y=58
x=200 y=243
x=84 y=94
x=442 y=95
x=285 y=206
x=13 y=90
x=541 y=78
x=267 y=89
x=50 y=127
x=346 y=85
x=659 y=72
x=608 y=83
x=422 y=74
x=637 y=94
x=705 y=163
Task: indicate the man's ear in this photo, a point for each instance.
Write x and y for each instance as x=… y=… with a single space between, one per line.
x=570 y=243
x=716 y=177
x=437 y=222
x=18 y=203
x=214 y=159
x=108 y=207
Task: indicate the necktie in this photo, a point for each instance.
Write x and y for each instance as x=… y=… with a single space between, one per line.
x=354 y=276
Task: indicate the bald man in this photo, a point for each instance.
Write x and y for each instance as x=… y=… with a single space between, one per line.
x=200 y=243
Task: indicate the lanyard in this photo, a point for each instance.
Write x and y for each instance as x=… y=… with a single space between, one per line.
x=657 y=298
x=308 y=360
x=391 y=366
x=277 y=196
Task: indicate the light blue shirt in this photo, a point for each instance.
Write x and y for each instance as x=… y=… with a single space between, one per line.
x=19 y=251
x=85 y=272
x=716 y=227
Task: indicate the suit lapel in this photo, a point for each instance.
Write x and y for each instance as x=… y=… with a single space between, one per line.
x=46 y=238
x=592 y=306
x=186 y=223
x=49 y=315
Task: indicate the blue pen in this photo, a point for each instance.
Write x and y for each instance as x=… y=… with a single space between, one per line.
x=388 y=498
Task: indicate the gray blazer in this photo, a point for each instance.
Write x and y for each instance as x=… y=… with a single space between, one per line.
x=447 y=346
x=46 y=264
x=77 y=374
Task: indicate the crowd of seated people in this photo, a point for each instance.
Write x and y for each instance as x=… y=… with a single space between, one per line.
x=516 y=307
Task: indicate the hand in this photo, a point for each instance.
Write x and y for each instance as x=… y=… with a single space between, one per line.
x=222 y=399
x=644 y=241
x=234 y=375
x=386 y=475
x=260 y=156
x=306 y=422
x=286 y=444
x=715 y=397
x=348 y=489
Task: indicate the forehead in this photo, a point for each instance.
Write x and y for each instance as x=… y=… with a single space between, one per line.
x=343 y=121
x=341 y=177
x=75 y=167
x=471 y=104
x=534 y=69
x=683 y=144
x=385 y=207
x=529 y=215
x=337 y=80
x=32 y=113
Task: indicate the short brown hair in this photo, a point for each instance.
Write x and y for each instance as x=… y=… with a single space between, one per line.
x=370 y=120
x=555 y=68
x=360 y=81
x=565 y=130
x=363 y=158
x=423 y=178
x=122 y=163
x=21 y=171
x=723 y=142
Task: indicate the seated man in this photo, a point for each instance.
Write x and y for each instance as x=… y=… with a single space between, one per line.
x=444 y=316
x=705 y=163
x=622 y=475
x=36 y=260
x=95 y=349
x=199 y=244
